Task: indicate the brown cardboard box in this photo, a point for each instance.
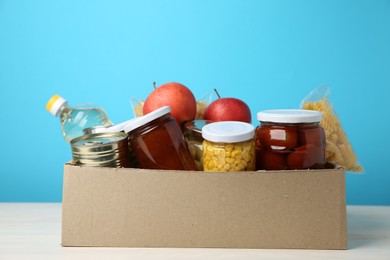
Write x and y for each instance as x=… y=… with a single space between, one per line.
x=152 y=208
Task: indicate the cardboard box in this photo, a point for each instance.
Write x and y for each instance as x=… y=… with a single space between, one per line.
x=154 y=208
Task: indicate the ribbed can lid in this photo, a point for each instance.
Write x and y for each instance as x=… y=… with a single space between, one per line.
x=101 y=149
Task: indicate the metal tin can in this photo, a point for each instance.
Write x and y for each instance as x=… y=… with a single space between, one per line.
x=101 y=150
x=115 y=128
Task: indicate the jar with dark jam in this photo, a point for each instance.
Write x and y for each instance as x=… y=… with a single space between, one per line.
x=290 y=139
x=158 y=142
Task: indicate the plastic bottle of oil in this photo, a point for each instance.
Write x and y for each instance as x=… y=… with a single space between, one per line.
x=74 y=119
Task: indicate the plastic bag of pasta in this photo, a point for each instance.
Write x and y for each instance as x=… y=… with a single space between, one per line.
x=137 y=105
x=201 y=105
x=339 y=150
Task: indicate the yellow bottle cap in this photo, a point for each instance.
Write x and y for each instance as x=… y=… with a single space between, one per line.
x=54 y=104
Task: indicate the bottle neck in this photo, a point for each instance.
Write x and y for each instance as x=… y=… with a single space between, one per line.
x=61 y=109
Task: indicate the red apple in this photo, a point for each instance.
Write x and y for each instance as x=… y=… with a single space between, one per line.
x=180 y=99
x=228 y=109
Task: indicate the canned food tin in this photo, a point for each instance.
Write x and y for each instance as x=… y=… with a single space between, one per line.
x=101 y=150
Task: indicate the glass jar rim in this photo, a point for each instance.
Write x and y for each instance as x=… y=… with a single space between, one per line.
x=196 y=125
x=228 y=132
x=289 y=116
x=143 y=120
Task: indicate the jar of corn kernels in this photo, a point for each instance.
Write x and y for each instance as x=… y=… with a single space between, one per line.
x=228 y=146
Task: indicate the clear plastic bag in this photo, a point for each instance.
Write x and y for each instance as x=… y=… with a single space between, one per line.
x=339 y=150
x=201 y=104
x=137 y=105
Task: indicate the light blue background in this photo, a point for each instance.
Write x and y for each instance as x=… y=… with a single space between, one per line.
x=268 y=53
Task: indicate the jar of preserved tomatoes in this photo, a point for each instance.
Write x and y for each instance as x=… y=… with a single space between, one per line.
x=290 y=139
x=228 y=146
x=158 y=142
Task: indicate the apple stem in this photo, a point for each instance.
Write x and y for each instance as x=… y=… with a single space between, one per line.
x=154 y=84
x=217 y=93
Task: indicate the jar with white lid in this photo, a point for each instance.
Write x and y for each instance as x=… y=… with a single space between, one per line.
x=289 y=139
x=158 y=142
x=228 y=146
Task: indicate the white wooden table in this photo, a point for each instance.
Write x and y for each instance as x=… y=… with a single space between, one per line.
x=33 y=231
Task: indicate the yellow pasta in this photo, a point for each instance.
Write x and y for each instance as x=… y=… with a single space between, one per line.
x=200 y=108
x=138 y=108
x=339 y=150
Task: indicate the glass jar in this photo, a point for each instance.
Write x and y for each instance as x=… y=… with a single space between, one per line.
x=289 y=139
x=194 y=139
x=228 y=146
x=158 y=142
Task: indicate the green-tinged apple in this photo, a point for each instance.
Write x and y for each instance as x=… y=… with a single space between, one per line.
x=228 y=109
x=175 y=95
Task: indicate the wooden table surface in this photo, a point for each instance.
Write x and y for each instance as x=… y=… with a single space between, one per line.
x=33 y=231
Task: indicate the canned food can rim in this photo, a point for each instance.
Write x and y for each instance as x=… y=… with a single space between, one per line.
x=109 y=149
x=119 y=136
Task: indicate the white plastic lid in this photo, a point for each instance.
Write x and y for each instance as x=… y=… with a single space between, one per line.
x=142 y=120
x=54 y=104
x=228 y=131
x=118 y=127
x=289 y=116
